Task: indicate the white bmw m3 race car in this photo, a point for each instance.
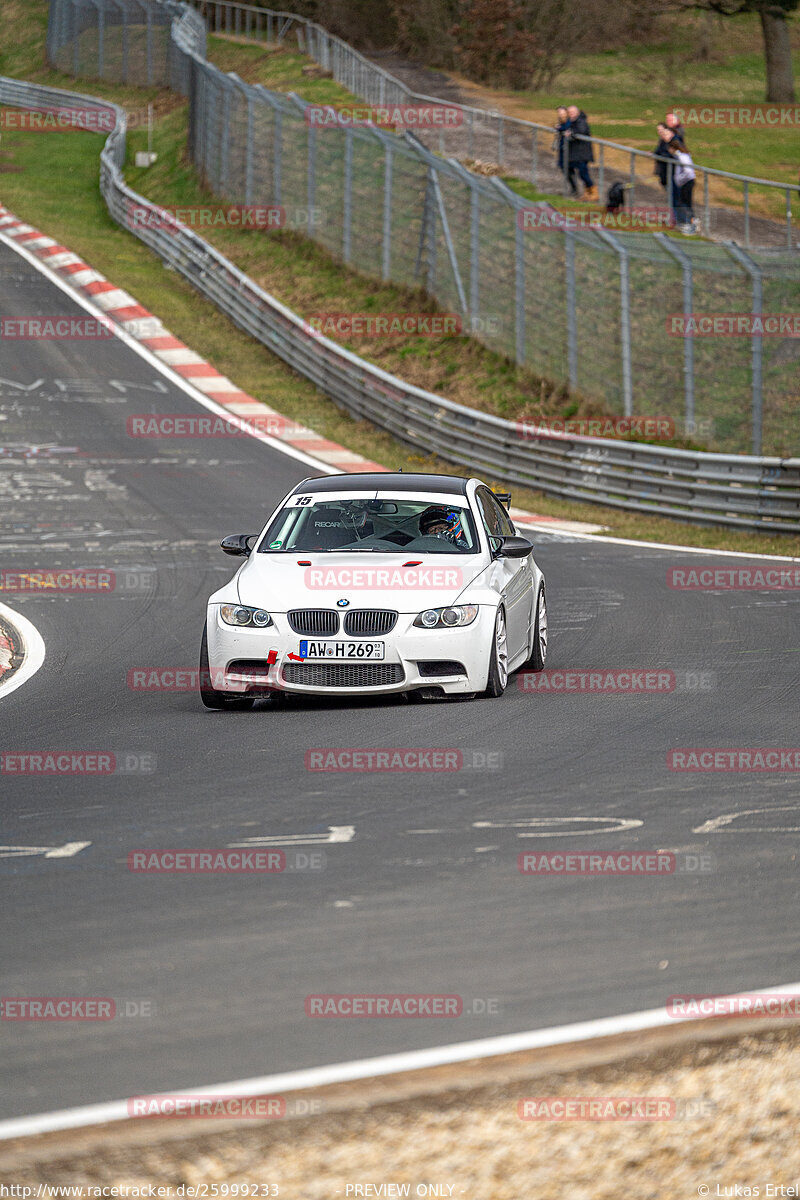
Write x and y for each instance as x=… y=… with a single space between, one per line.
x=376 y=583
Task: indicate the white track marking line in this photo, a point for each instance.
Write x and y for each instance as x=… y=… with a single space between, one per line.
x=371 y=1068
x=34 y=647
x=150 y=358
x=613 y=541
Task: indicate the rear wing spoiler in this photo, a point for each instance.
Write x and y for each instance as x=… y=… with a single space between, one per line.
x=503 y=497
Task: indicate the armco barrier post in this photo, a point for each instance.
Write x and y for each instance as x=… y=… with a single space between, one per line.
x=754 y=271
x=688 y=343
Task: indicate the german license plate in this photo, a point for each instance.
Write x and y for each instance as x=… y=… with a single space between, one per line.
x=354 y=651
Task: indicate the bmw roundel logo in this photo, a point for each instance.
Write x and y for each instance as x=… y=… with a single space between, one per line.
x=342 y=603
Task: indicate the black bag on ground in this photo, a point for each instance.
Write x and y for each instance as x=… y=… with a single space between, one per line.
x=616 y=198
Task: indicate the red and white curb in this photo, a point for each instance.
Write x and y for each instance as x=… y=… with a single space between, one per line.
x=174 y=354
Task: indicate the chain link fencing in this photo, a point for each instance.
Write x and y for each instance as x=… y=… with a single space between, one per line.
x=587 y=307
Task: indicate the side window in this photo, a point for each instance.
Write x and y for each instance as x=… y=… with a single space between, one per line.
x=503 y=518
x=488 y=516
x=495 y=518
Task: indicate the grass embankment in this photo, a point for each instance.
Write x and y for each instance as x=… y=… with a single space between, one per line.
x=51 y=181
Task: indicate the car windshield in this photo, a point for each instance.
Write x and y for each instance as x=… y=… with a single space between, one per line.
x=402 y=526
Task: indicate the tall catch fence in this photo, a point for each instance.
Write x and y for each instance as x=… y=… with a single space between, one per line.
x=752 y=492
x=596 y=309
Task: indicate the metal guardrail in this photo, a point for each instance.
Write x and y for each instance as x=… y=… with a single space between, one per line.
x=742 y=491
x=512 y=142
x=391 y=208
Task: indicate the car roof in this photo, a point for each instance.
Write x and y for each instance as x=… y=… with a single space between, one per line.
x=384 y=481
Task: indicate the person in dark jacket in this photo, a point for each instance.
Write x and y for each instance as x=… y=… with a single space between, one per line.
x=665 y=166
x=579 y=153
x=562 y=125
x=673 y=123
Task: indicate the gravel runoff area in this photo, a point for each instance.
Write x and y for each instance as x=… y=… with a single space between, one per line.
x=725 y=1099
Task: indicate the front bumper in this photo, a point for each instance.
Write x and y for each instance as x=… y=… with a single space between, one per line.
x=407 y=650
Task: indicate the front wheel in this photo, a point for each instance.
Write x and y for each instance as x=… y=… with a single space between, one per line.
x=539 y=652
x=498 y=658
x=208 y=694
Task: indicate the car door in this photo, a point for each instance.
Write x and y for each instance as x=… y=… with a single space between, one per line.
x=514 y=575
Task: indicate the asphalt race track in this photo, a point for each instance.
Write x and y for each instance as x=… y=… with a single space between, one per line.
x=425 y=896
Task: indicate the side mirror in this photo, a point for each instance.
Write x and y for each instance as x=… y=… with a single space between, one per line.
x=237 y=544
x=513 y=547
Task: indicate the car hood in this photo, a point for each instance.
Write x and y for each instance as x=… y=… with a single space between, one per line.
x=279 y=582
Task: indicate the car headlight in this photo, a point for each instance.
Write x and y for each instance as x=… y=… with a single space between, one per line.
x=448 y=618
x=240 y=614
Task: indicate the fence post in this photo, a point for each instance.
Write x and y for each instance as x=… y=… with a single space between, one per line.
x=572 y=315
x=474 y=249
x=248 y=169
x=633 y=176
x=125 y=46
x=601 y=170
x=149 y=43
x=747 y=214
x=76 y=41
x=535 y=157
x=101 y=37
x=754 y=271
x=311 y=195
x=519 y=290
x=685 y=261
x=706 y=206
x=789 y=218
x=225 y=137
x=347 y=215
x=624 y=319
x=386 y=257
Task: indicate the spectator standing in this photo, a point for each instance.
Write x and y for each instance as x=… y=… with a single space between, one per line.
x=684 y=183
x=665 y=167
x=579 y=153
x=559 y=142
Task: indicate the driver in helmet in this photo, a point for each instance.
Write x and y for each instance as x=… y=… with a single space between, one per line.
x=445 y=523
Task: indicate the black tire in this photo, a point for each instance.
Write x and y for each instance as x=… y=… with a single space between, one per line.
x=539 y=652
x=498 y=678
x=209 y=695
